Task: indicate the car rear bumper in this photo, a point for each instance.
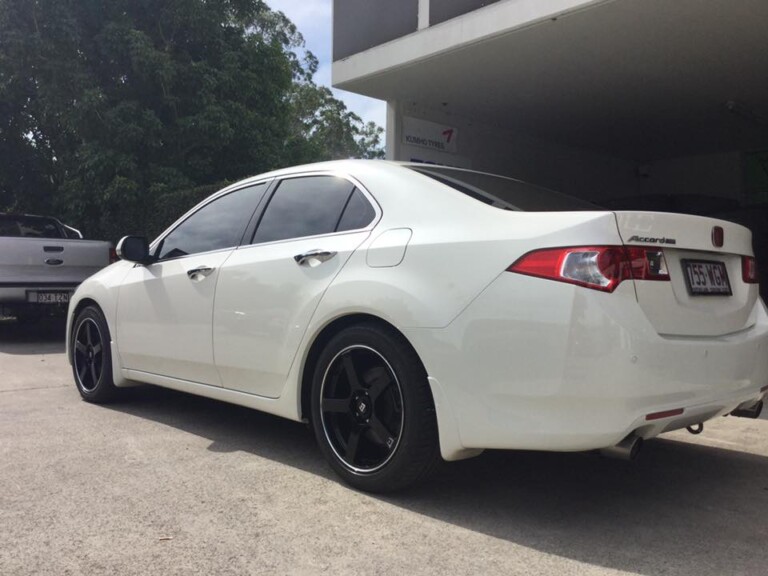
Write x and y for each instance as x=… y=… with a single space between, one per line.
x=535 y=364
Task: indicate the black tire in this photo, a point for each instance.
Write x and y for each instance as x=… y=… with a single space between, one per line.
x=372 y=410
x=91 y=357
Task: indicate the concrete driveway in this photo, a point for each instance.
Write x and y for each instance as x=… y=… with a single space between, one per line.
x=165 y=483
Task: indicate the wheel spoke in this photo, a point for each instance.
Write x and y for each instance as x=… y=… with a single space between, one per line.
x=382 y=435
x=80 y=347
x=349 y=368
x=81 y=372
x=361 y=409
x=336 y=405
x=380 y=382
x=352 y=444
x=97 y=348
x=93 y=373
x=88 y=336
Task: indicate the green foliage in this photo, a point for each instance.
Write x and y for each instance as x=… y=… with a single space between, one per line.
x=116 y=114
x=323 y=129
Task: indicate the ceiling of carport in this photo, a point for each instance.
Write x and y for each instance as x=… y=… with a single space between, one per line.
x=638 y=79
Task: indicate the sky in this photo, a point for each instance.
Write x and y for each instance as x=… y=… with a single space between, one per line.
x=313 y=19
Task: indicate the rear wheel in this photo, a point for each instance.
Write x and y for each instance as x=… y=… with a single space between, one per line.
x=91 y=358
x=372 y=410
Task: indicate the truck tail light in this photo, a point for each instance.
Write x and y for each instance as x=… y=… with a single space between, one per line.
x=597 y=267
x=113 y=255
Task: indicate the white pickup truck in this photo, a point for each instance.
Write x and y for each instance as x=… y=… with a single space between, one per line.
x=42 y=261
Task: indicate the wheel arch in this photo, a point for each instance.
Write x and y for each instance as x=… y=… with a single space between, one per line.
x=451 y=447
x=84 y=302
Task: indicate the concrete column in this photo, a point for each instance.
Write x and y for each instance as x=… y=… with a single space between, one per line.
x=394 y=131
x=423 y=14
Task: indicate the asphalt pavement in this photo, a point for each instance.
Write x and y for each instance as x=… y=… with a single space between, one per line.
x=166 y=483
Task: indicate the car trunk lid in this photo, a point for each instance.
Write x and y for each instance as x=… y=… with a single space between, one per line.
x=694 y=302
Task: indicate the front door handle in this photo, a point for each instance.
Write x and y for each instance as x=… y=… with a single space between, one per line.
x=313 y=258
x=198 y=274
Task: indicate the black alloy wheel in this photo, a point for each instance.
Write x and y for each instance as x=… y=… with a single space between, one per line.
x=91 y=360
x=361 y=409
x=88 y=355
x=372 y=409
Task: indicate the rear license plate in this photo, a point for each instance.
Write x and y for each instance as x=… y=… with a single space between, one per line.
x=706 y=278
x=48 y=297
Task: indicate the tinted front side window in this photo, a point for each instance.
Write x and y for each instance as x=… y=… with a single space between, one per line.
x=215 y=226
x=304 y=207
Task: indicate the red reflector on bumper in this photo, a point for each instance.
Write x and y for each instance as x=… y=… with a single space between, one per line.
x=665 y=414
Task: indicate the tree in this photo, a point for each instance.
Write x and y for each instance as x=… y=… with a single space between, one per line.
x=369 y=141
x=323 y=129
x=109 y=106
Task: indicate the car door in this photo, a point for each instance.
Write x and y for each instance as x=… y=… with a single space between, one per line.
x=268 y=290
x=164 y=309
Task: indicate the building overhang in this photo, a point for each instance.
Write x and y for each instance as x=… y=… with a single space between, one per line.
x=639 y=79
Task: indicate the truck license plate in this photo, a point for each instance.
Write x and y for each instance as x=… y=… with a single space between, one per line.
x=706 y=278
x=48 y=297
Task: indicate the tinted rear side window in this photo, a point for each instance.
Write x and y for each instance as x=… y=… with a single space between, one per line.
x=304 y=207
x=358 y=213
x=505 y=193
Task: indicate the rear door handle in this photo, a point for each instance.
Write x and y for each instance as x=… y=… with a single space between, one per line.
x=313 y=258
x=198 y=274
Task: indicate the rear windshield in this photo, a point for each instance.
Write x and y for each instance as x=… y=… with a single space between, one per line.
x=504 y=193
x=29 y=227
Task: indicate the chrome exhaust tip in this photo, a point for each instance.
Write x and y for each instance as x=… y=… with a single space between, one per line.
x=627 y=449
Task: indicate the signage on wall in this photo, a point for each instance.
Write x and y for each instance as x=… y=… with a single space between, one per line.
x=425 y=134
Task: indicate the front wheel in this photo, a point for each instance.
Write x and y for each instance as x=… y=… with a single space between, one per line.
x=372 y=410
x=91 y=358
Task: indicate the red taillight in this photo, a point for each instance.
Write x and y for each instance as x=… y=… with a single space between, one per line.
x=749 y=270
x=597 y=267
x=113 y=255
x=647 y=263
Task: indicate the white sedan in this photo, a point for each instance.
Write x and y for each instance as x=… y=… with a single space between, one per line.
x=411 y=311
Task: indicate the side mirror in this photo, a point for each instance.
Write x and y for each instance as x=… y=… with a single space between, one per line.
x=134 y=249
